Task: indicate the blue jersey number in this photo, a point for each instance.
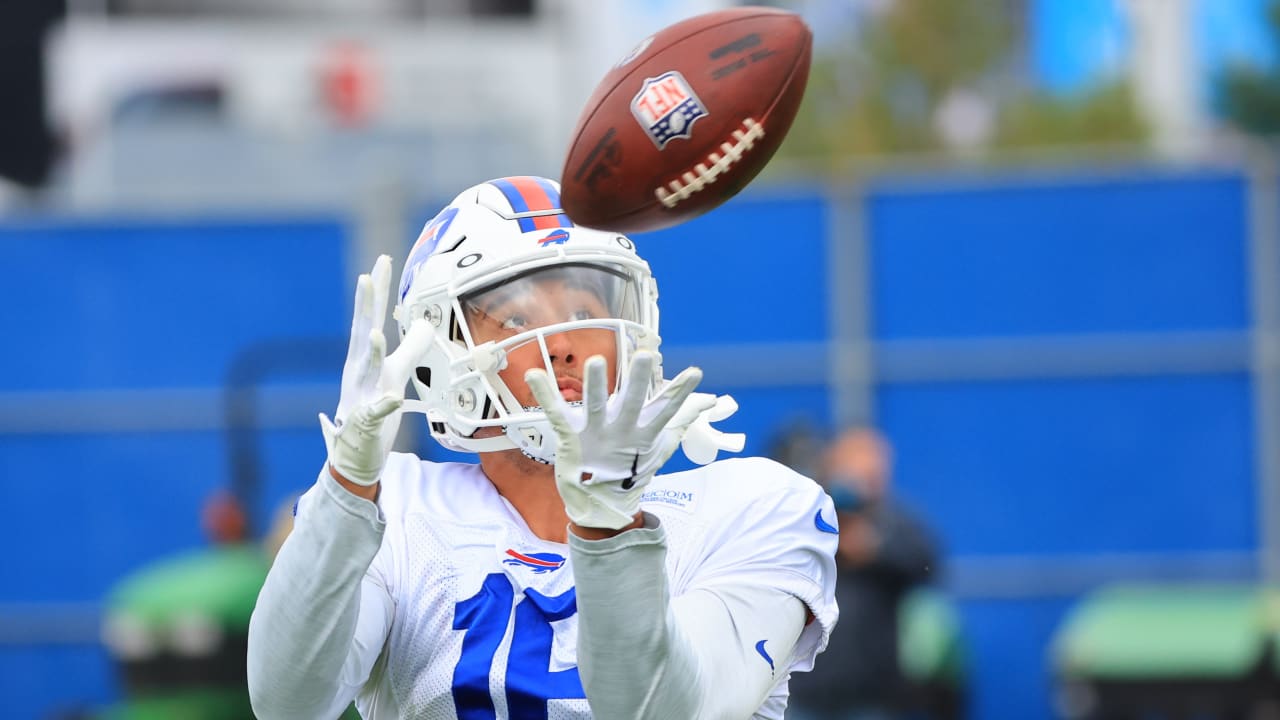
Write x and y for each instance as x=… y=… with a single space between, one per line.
x=530 y=682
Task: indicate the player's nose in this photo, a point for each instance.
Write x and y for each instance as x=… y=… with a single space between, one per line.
x=560 y=348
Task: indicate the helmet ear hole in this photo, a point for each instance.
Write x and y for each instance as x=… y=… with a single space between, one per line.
x=424 y=375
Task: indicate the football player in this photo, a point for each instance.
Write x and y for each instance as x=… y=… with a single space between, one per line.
x=560 y=577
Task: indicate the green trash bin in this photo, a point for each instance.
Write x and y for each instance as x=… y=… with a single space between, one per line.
x=932 y=654
x=196 y=704
x=178 y=631
x=1131 y=649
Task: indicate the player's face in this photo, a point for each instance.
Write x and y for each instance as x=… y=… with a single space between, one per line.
x=537 y=304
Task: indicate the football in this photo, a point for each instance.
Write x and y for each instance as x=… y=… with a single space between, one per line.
x=686 y=119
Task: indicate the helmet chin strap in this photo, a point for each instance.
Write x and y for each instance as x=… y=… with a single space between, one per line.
x=489 y=444
x=540 y=447
x=535 y=439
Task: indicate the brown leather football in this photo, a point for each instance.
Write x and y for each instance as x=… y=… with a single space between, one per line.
x=686 y=119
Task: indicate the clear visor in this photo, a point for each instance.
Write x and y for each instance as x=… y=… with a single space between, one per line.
x=549 y=296
x=556 y=317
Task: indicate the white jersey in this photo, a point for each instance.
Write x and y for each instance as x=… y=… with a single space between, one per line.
x=483 y=617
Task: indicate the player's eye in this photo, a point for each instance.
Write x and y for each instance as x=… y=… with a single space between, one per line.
x=515 y=322
x=583 y=314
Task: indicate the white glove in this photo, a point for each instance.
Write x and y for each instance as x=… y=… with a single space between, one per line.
x=365 y=424
x=702 y=442
x=610 y=447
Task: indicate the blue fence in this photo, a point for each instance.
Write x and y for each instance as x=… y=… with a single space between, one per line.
x=142 y=322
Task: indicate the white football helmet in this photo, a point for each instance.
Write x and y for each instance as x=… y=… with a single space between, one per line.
x=500 y=244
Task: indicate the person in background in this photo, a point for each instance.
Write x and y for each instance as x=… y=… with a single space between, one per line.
x=884 y=552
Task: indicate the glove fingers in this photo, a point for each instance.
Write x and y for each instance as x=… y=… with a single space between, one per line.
x=547 y=393
x=724 y=407
x=678 y=401
x=687 y=414
x=329 y=430
x=372 y=370
x=380 y=285
x=680 y=387
x=732 y=442
x=698 y=446
x=703 y=442
x=595 y=388
x=636 y=388
x=379 y=409
x=360 y=320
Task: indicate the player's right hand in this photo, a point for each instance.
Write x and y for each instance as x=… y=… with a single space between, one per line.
x=610 y=447
x=364 y=427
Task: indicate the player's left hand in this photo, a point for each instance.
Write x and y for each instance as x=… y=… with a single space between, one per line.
x=610 y=447
x=364 y=427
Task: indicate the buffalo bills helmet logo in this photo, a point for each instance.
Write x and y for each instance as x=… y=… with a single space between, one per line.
x=557 y=237
x=538 y=562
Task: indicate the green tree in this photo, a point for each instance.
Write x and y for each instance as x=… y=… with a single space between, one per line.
x=1106 y=114
x=879 y=92
x=1251 y=95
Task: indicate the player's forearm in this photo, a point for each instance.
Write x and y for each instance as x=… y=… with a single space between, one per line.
x=624 y=656
x=305 y=620
x=641 y=655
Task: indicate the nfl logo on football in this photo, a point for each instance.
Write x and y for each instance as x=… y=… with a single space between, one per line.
x=666 y=107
